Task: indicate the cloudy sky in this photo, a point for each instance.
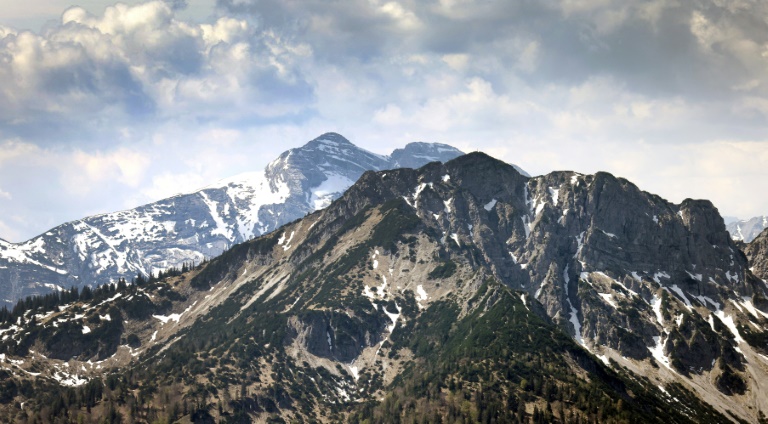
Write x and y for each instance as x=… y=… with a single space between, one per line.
x=106 y=106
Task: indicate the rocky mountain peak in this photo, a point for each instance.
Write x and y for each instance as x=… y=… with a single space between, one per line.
x=330 y=145
x=327 y=156
x=600 y=255
x=330 y=138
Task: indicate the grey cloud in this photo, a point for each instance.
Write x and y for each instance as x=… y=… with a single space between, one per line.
x=706 y=55
x=654 y=55
x=134 y=67
x=64 y=89
x=648 y=45
x=177 y=4
x=336 y=30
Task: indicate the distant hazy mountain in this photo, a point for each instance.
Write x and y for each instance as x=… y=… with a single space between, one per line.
x=191 y=227
x=747 y=230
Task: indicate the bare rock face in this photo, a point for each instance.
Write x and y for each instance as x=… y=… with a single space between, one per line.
x=757 y=253
x=616 y=266
x=337 y=336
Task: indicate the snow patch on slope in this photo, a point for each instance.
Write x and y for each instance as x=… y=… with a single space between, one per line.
x=221 y=227
x=328 y=190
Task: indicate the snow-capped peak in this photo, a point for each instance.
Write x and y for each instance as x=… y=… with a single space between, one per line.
x=198 y=225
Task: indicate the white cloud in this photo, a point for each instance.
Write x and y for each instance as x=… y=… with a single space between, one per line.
x=139 y=66
x=225 y=30
x=122 y=165
x=457 y=61
x=167 y=184
x=403 y=18
x=722 y=171
x=10 y=232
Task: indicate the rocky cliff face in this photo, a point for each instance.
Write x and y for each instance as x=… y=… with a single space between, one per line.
x=457 y=280
x=192 y=227
x=757 y=253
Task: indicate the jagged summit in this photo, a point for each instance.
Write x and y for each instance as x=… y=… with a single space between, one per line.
x=333 y=144
x=488 y=157
x=480 y=161
x=194 y=226
x=325 y=157
x=329 y=142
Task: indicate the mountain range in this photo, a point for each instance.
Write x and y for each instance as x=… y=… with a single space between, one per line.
x=461 y=291
x=189 y=228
